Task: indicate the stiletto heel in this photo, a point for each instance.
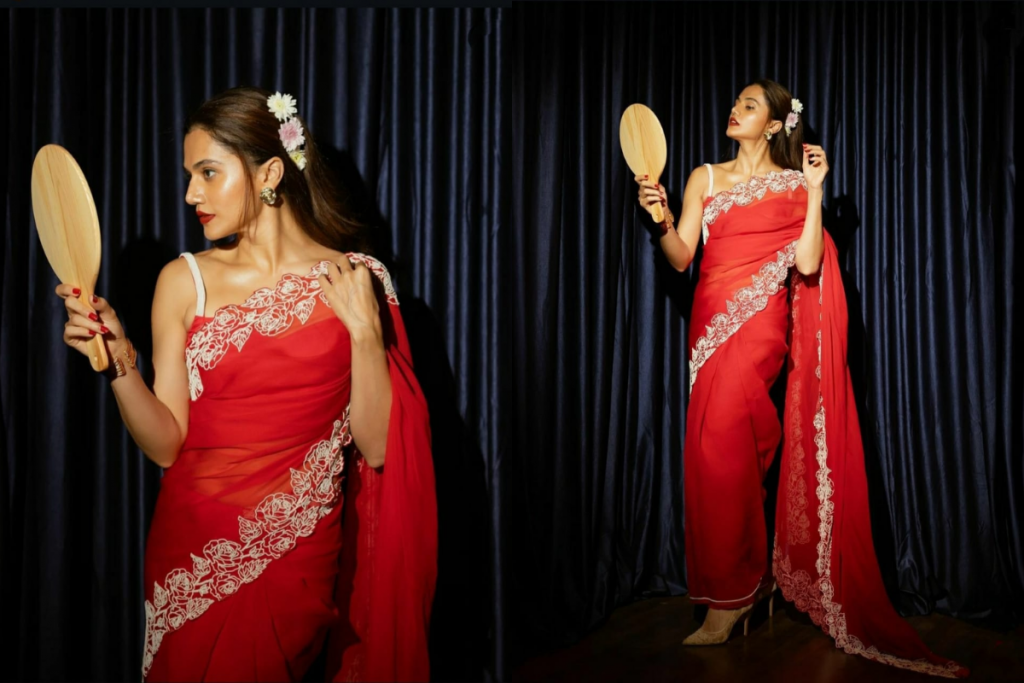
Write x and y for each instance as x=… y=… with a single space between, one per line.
x=703 y=636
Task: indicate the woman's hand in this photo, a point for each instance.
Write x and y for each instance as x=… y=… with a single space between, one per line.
x=815 y=166
x=83 y=324
x=650 y=194
x=349 y=291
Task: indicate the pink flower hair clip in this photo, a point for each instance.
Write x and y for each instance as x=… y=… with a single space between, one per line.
x=794 y=116
x=283 y=108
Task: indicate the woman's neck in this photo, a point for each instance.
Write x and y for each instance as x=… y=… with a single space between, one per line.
x=274 y=243
x=753 y=159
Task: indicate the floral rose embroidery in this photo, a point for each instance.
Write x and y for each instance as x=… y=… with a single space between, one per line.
x=212 y=353
x=224 y=554
x=228 y=317
x=746 y=303
x=277 y=523
x=226 y=584
x=274 y=320
x=179 y=584
x=260 y=298
x=270 y=311
x=290 y=288
x=744 y=193
x=275 y=509
x=281 y=541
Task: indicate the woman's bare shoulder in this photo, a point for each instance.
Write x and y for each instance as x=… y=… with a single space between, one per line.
x=173 y=291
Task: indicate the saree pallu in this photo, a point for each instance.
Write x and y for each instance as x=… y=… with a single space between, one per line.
x=746 y=323
x=255 y=560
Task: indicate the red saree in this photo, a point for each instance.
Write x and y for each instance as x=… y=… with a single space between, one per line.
x=253 y=560
x=823 y=557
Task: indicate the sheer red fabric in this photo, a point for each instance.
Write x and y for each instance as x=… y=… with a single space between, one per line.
x=743 y=328
x=254 y=561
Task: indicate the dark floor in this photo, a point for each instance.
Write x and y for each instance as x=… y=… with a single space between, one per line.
x=642 y=642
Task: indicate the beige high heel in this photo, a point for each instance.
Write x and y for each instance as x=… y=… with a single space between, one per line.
x=703 y=636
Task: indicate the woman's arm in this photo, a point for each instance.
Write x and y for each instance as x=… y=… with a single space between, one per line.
x=370 y=411
x=158 y=422
x=679 y=242
x=811 y=246
x=350 y=294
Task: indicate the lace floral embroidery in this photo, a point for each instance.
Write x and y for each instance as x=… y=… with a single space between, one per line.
x=816 y=597
x=798 y=587
x=747 y=302
x=744 y=193
x=796 y=488
x=269 y=312
x=277 y=522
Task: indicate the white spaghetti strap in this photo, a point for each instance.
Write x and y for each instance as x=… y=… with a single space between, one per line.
x=200 y=287
x=711 y=181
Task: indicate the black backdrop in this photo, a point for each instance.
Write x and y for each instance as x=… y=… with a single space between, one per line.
x=548 y=332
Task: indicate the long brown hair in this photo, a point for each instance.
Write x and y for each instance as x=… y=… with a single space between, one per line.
x=239 y=120
x=786 y=150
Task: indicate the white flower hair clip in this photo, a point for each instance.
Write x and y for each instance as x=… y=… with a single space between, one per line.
x=794 y=115
x=282 y=106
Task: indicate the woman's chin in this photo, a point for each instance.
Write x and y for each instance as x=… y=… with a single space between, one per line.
x=215 y=235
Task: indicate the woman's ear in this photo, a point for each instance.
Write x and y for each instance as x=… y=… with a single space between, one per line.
x=270 y=173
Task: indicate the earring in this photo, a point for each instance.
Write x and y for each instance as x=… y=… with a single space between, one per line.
x=768 y=135
x=268 y=195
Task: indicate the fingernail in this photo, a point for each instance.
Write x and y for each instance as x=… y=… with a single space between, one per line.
x=104 y=330
x=92 y=333
x=93 y=317
x=646 y=176
x=76 y=291
x=656 y=186
x=94 y=299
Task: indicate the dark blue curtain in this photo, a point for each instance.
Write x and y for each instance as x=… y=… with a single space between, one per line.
x=548 y=331
x=409 y=106
x=916 y=105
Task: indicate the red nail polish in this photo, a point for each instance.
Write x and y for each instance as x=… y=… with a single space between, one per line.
x=656 y=186
x=94 y=299
x=93 y=317
x=104 y=330
x=76 y=291
x=92 y=333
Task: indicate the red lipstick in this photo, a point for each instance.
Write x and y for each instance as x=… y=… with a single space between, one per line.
x=204 y=218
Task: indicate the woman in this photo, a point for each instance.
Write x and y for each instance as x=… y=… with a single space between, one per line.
x=762 y=223
x=281 y=364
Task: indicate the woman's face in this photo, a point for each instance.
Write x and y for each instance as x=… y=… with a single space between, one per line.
x=749 y=116
x=216 y=184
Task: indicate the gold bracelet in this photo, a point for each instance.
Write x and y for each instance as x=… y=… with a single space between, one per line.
x=668 y=222
x=129 y=358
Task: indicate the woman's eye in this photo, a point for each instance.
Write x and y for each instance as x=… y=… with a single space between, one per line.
x=205 y=170
x=749 y=107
